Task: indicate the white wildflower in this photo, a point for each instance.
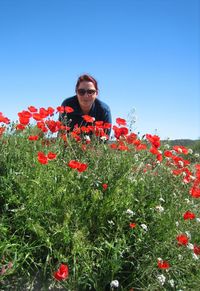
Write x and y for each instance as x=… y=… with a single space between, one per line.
x=188 y=234
x=121 y=254
x=197 y=219
x=161 y=199
x=195 y=257
x=144 y=226
x=187 y=200
x=114 y=284
x=129 y=212
x=171 y=282
x=167 y=146
x=181 y=163
x=111 y=222
x=196 y=155
x=159 y=208
x=190 y=151
x=161 y=279
x=103 y=138
x=180 y=257
x=87 y=138
x=177 y=223
x=190 y=246
x=136 y=158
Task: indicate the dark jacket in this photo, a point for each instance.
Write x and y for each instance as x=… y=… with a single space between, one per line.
x=99 y=110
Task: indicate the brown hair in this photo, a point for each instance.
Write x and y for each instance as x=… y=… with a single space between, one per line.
x=86 y=78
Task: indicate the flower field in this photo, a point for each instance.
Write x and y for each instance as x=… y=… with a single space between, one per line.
x=81 y=212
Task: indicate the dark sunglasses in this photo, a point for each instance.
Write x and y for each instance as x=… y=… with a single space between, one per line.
x=83 y=91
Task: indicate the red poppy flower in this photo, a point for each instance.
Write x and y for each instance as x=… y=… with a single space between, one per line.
x=2 y=129
x=196 y=250
x=163 y=264
x=113 y=146
x=85 y=129
x=50 y=110
x=107 y=125
x=154 y=140
x=154 y=150
x=82 y=167
x=119 y=131
x=61 y=109
x=98 y=123
x=195 y=192
x=88 y=118
x=42 y=158
x=189 y=215
x=182 y=239
x=132 y=225
x=131 y=138
x=197 y=166
x=54 y=126
x=105 y=186
x=137 y=142
x=63 y=137
x=20 y=127
x=43 y=112
x=33 y=137
x=4 y=119
x=69 y=109
x=180 y=149
x=141 y=147
x=51 y=156
x=37 y=116
x=121 y=121
x=168 y=154
x=177 y=172
x=73 y=164
x=123 y=130
x=32 y=109
x=122 y=147
x=67 y=128
x=159 y=157
x=24 y=120
x=25 y=114
x=62 y=273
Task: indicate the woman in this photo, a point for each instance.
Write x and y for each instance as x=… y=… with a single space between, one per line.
x=85 y=102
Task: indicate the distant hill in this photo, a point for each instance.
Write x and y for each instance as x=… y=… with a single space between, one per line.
x=183 y=142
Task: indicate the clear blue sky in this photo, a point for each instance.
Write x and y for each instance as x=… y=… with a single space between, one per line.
x=145 y=55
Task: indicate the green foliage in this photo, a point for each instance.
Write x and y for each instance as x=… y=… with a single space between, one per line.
x=52 y=214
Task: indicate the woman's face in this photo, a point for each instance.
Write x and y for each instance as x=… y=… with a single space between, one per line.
x=86 y=93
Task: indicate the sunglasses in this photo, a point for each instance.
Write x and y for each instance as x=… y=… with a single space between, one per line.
x=83 y=91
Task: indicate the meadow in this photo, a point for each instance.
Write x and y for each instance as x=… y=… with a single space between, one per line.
x=81 y=212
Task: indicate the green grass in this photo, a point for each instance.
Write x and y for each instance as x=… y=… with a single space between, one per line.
x=52 y=214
